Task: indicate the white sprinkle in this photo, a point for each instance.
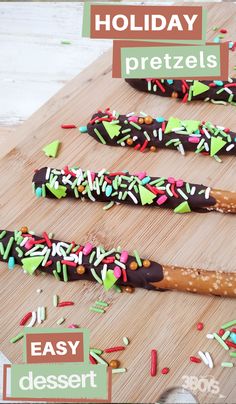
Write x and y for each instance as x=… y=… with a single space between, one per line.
x=104 y=272
x=210 y=336
x=146 y=135
x=206 y=146
x=209 y=359
x=182 y=194
x=90 y=182
x=56 y=185
x=24 y=241
x=135 y=138
x=206 y=132
x=132 y=197
x=39 y=290
x=143 y=113
x=101 y=172
x=181 y=149
x=120 y=264
x=228 y=90
x=160 y=134
x=130 y=114
x=193 y=190
x=177 y=129
x=122 y=144
x=230 y=147
x=48 y=173
x=33 y=320
x=126 y=340
x=203 y=357
x=39 y=315
x=80 y=257
x=155 y=133
x=207 y=192
x=54 y=249
x=230 y=80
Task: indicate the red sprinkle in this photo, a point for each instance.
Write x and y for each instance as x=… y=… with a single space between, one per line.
x=26 y=318
x=160 y=86
x=69 y=263
x=124 y=275
x=165 y=371
x=65 y=126
x=223 y=31
x=48 y=241
x=144 y=145
x=230 y=344
x=137 y=146
x=63 y=304
x=114 y=349
x=185 y=98
x=200 y=326
x=233 y=330
x=153 y=370
x=48 y=263
x=40 y=241
x=92 y=360
x=221 y=332
x=195 y=359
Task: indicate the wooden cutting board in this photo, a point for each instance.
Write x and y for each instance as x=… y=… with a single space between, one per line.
x=164 y=321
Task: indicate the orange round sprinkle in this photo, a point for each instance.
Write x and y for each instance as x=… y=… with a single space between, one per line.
x=114 y=363
x=129 y=141
x=129 y=289
x=174 y=94
x=80 y=188
x=148 y=120
x=141 y=121
x=24 y=229
x=146 y=263
x=133 y=265
x=80 y=270
x=153 y=148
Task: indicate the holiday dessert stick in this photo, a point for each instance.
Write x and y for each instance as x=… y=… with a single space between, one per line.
x=71 y=262
x=146 y=133
x=138 y=189
x=215 y=91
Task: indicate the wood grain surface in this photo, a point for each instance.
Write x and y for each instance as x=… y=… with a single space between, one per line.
x=164 y=321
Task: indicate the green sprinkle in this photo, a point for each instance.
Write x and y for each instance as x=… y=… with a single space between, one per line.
x=98 y=358
x=119 y=370
x=43 y=191
x=233 y=354
x=95 y=275
x=33 y=187
x=222 y=343
x=2 y=234
x=60 y=321
x=19 y=251
x=137 y=257
x=96 y=309
x=114 y=122
x=96 y=351
x=76 y=192
x=1 y=248
x=126 y=341
x=58 y=267
x=43 y=313
x=126 y=130
x=19 y=240
x=69 y=249
x=65 y=273
x=117 y=288
x=56 y=275
x=227 y=364
x=8 y=248
x=17 y=338
x=188 y=190
x=55 y=300
x=217 y=159
x=135 y=125
x=229 y=324
x=109 y=205
x=66 y=42
x=225 y=336
x=102 y=140
x=101 y=303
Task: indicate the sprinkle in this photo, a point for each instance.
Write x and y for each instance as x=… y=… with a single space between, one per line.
x=210 y=336
x=39 y=315
x=227 y=364
x=33 y=319
x=153 y=370
x=72 y=126
x=101 y=303
x=109 y=205
x=2 y=234
x=229 y=324
x=64 y=304
x=43 y=313
x=95 y=275
x=222 y=343
x=8 y=248
x=98 y=358
x=137 y=257
x=126 y=341
x=162 y=199
x=73 y=326
x=200 y=326
x=56 y=275
x=114 y=349
x=39 y=290
x=119 y=370
x=96 y=309
x=26 y=318
x=233 y=354
x=100 y=137
x=195 y=359
x=60 y=321
x=225 y=335
x=92 y=360
x=65 y=42
x=17 y=338
x=203 y=357
x=165 y=371
x=11 y=263
x=209 y=359
x=96 y=350
x=65 y=273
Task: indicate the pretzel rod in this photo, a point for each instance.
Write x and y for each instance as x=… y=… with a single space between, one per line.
x=71 y=262
x=138 y=189
x=215 y=91
x=144 y=132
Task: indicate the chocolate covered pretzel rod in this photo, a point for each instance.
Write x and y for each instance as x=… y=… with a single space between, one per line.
x=144 y=132
x=68 y=261
x=138 y=189
x=215 y=91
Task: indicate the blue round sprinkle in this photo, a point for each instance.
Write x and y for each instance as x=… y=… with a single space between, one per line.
x=230 y=44
x=145 y=180
x=83 y=129
x=108 y=190
x=233 y=337
x=218 y=82
x=11 y=262
x=235 y=139
x=160 y=119
x=170 y=81
x=216 y=39
x=38 y=192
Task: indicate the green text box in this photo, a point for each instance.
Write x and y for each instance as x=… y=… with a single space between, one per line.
x=138 y=68
x=61 y=380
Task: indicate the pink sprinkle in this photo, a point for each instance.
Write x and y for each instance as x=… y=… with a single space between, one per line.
x=171 y=180
x=92 y=175
x=193 y=139
x=161 y=200
x=87 y=248
x=124 y=257
x=179 y=183
x=29 y=244
x=133 y=118
x=141 y=174
x=117 y=272
x=73 y=326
